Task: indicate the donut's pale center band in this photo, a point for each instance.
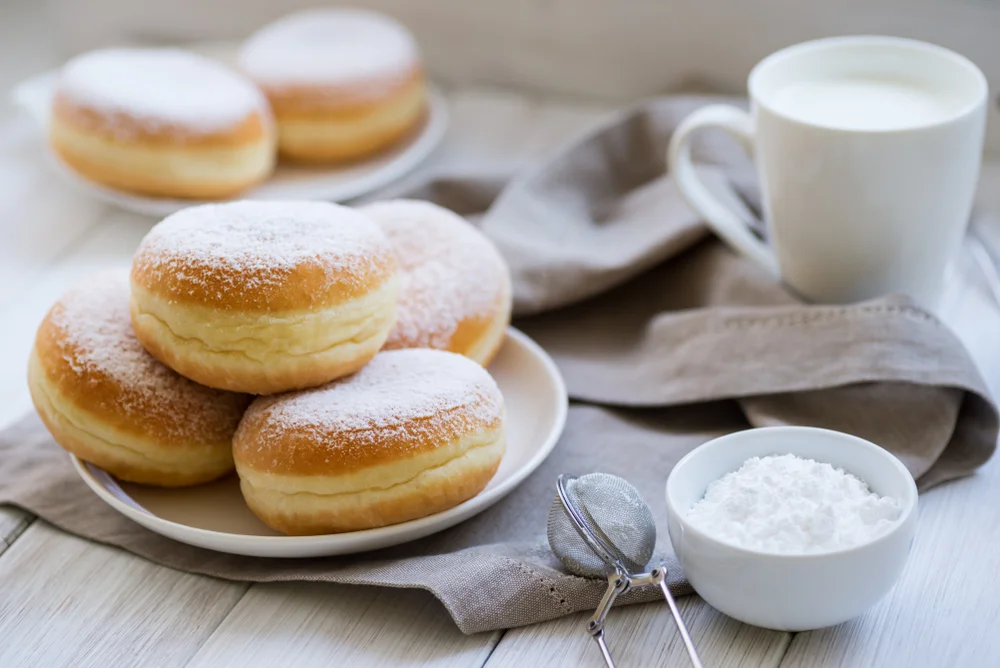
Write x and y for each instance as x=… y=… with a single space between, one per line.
x=312 y=132
x=110 y=443
x=434 y=489
x=187 y=163
x=381 y=477
x=261 y=337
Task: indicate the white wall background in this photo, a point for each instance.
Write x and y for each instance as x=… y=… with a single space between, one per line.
x=610 y=49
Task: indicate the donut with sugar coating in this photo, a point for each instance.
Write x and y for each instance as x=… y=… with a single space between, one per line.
x=415 y=432
x=106 y=400
x=264 y=297
x=162 y=123
x=455 y=288
x=344 y=83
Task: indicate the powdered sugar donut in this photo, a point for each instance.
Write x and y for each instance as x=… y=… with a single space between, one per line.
x=343 y=83
x=106 y=400
x=264 y=297
x=454 y=286
x=413 y=433
x=162 y=122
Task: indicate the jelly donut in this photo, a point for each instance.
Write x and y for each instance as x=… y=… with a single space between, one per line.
x=107 y=401
x=264 y=297
x=454 y=286
x=161 y=122
x=413 y=433
x=343 y=83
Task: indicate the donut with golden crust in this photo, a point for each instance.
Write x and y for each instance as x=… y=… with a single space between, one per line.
x=264 y=297
x=162 y=123
x=109 y=402
x=415 y=432
x=344 y=83
x=455 y=288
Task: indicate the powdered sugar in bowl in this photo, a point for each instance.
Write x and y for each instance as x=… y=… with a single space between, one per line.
x=773 y=576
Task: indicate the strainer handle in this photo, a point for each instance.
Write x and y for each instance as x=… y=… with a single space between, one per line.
x=617 y=583
x=660 y=574
x=605 y=652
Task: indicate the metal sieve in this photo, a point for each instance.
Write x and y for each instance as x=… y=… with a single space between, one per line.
x=599 y=527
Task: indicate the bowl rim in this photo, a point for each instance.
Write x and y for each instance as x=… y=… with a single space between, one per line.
x=908 y=510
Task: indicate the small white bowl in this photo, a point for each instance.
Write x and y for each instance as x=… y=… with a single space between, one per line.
x=790 y=592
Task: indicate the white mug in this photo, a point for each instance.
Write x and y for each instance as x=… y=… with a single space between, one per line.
x=868 y=152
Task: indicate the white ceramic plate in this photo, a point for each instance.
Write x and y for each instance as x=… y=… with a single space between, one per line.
x=288 y=181
x=214 y=516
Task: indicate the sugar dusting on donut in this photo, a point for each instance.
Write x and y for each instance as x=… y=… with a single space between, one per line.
x=330 y=47
x=420 y=391
x=254 y=247
x=449 y=272
x=96 y=340
x=160 y=87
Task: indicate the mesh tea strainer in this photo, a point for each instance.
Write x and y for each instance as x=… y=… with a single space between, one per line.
x=599 y=527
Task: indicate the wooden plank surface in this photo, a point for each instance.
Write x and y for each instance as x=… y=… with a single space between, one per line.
x=69 y=602
x=642 y=635
x=319 y=625
x=944 y=610
x=13 y=522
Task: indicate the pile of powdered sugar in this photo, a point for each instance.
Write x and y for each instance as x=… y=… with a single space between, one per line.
x=789 y=505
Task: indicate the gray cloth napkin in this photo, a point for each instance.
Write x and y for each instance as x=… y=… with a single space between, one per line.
x=666 y=339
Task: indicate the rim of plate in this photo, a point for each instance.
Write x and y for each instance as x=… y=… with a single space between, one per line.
x=411 y=156
x=481 y=501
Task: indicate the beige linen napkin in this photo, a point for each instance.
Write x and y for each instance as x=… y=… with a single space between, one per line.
x=666 y=339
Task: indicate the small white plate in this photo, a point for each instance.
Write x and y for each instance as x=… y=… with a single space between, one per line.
x=214 y=516
x=334 y=184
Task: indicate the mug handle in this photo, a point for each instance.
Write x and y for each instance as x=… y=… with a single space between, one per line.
x=726 y=224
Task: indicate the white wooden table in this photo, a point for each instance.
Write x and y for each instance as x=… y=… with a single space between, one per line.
x=67 y=602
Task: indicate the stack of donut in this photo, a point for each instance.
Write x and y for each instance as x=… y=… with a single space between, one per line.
x=364 y=331
x=321 y=86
